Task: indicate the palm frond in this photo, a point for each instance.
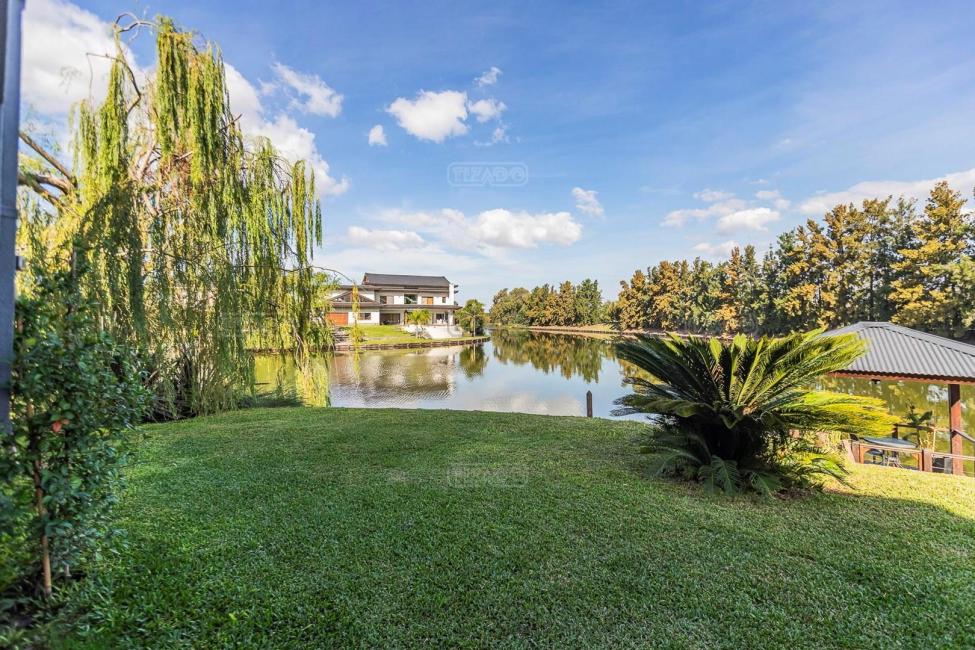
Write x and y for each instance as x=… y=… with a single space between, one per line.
x=733 y=409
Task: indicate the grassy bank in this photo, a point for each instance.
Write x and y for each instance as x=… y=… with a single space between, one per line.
x=319 y=527
x=379 y=336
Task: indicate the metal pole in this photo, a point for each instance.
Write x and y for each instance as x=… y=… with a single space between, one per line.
x=10 y=10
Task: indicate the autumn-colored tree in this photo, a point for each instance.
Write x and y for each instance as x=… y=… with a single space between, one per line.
x=926 y=294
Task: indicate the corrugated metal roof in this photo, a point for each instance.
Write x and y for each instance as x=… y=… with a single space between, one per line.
x=896 y=350
x=387 y=279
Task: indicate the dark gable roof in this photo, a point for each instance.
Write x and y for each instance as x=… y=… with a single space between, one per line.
x=386 y=280
x=901 y=351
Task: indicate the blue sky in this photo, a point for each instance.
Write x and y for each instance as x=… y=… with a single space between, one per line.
x=648 y=131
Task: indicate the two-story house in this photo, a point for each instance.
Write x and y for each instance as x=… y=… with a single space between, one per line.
x=386 y=300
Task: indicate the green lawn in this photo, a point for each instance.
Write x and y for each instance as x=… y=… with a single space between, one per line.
x=303 y=528
x=392 y=334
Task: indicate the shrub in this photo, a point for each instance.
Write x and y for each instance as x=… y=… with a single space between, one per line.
x=740 y=415
x=76 y=397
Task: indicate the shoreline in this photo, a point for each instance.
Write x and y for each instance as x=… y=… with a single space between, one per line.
x=419 y=343
x=572 y=329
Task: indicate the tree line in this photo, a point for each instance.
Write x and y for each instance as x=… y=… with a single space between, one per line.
x=884 y=260
x=567 y=305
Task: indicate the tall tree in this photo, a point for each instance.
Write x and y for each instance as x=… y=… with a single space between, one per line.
x=632 y=309
x=564 y=309
x=589 y=303
x=471 y=317
x=927 y=294
x=195 y=238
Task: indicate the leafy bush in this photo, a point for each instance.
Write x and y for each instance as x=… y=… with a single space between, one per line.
x=740 y=415
x=76 y=398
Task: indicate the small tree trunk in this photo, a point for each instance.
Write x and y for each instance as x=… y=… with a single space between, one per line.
x=41 y=512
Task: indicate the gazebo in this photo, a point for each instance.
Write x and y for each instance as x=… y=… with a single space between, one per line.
x=897 y=353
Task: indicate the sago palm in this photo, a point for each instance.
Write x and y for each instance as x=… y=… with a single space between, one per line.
x=741 y=413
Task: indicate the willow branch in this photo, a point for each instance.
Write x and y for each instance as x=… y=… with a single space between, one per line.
x=136 y=22
x=44 y=179
x=129 y=72
x=49 y=157
x=30 y=180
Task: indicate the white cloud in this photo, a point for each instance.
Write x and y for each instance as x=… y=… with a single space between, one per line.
x=716 y=209
x=773 y=197
x=245 y=100
x=432 y=116
x=508 y=229
x=709 y=196
x=314 y=95
x=377 y=136
x=435 y=221
x=429 y=260
x=822 y=203
x=489 y=78
x=486 y=109
x=492 y=229
x=291 y=140
x=715 y=250
x=294 y=142
x=58 y=70
x=499 y=134
x=732 y=214
x=383 y=240
x=750 y=219
x=587 y=202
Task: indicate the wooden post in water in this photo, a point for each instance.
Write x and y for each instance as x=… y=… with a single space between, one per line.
x=588 y=403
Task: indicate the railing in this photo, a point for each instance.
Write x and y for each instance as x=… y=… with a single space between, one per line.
x=926 y=459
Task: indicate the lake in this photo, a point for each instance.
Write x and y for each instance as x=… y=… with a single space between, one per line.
x=522 y=371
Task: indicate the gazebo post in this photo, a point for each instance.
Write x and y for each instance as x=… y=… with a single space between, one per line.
x=955 y=426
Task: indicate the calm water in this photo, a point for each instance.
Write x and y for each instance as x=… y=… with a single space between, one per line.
x=521 y=371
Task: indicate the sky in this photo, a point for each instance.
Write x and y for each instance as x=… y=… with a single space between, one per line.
x=511 y=144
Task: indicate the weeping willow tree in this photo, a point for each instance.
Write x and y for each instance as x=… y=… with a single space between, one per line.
x=195 y=241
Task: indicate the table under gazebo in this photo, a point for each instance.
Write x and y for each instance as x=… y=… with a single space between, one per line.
x=897 y=353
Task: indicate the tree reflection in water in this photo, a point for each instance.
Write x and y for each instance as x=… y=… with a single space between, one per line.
x=569 y=354
x=473 y=360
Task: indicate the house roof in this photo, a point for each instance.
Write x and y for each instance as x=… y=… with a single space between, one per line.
x=388 y=279
x=899 y=352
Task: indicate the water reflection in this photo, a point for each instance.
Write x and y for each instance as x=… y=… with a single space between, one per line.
x=525 y=372
x=568 y=355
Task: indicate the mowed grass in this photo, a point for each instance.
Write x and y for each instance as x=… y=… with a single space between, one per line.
x=301 y=528
x=392 y=334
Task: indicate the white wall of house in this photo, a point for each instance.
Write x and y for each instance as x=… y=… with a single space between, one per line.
x=364 y=317
x=422 y=296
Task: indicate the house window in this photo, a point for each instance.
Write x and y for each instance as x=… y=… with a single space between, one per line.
x=364 y=315
x=409 y=299
x=443 y=300
x=428 y=300
x=383 y=300
x=441 y=318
